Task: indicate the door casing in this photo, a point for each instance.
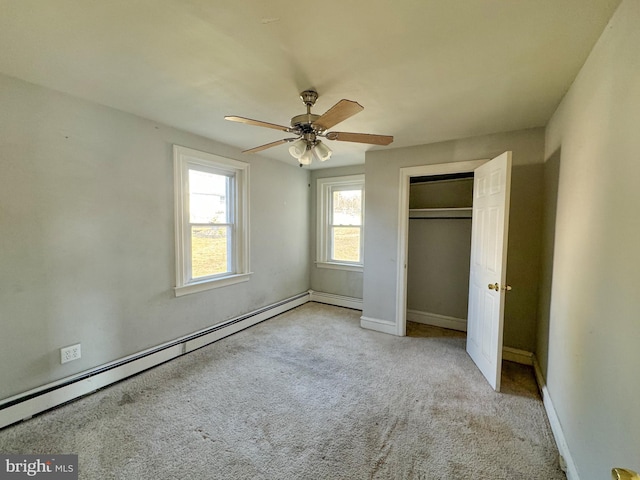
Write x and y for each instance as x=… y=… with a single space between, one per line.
x=403 y=226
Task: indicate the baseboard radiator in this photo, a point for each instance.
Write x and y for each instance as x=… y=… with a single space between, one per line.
x=27 y=404
x=38 y=400
x=336 y=300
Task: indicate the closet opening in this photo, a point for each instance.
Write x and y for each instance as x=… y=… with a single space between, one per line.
x=439 y=249
x=442 y=206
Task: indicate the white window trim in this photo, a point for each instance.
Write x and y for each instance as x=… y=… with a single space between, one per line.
x=324 y=187
x=182 y=158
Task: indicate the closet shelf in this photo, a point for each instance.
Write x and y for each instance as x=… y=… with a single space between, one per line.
x=425 y=213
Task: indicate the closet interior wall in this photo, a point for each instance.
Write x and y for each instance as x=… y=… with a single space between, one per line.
x=439 y=250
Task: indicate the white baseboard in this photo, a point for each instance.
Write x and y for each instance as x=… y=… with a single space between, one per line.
x=337 y=300
x=569 y=465
x=384 y=326
x=516 y=355
x=32 y=402
x=452 y=323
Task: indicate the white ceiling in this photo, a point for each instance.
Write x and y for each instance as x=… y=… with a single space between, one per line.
x=424 y=70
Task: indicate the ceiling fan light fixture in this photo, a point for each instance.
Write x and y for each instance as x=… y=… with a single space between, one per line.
x=298 y=148
x=306 y=157
x=322 y=151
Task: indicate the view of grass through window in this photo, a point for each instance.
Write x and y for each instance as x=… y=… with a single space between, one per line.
x=210 y=223
x=208 y=251
x=346 y=225
x=346 y=244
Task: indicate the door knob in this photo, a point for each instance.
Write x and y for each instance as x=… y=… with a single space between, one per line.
x=494 y=286
x=624 y=474
x=506 y=288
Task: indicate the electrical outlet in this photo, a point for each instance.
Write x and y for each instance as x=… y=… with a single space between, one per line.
x=70 y=353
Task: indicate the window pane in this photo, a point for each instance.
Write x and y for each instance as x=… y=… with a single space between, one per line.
x=347 y=207
x=209 y=251
x=207 y=197
x=345 y=243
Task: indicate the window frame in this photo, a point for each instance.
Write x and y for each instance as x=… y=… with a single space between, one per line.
x=324 y=243
x=186 y=159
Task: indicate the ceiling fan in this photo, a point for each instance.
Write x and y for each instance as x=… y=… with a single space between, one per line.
x=309 y=128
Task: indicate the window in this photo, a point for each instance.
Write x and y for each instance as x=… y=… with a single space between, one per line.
x=211 y=207
x=340 y=222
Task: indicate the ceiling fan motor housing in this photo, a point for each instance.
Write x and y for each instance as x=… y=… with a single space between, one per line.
x=303 y=122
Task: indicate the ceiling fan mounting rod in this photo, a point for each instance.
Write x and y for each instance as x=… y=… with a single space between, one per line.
x=302 y=124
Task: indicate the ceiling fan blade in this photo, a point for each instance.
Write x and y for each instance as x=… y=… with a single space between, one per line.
x=360 y=138
x=336 y=114
x=257 y=123
x=265 y=146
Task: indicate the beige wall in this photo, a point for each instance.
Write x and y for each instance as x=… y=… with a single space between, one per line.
x=550 y=205
x=87 y=236
x=590 y=341
x=382 y=169
x=329 y=280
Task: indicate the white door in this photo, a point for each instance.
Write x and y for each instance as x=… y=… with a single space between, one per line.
x=487 y=287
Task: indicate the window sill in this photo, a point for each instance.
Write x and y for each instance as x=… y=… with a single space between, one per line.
x=341 y=266
x=211 y=284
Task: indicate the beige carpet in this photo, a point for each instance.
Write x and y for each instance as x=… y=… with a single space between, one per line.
x=307 y=395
